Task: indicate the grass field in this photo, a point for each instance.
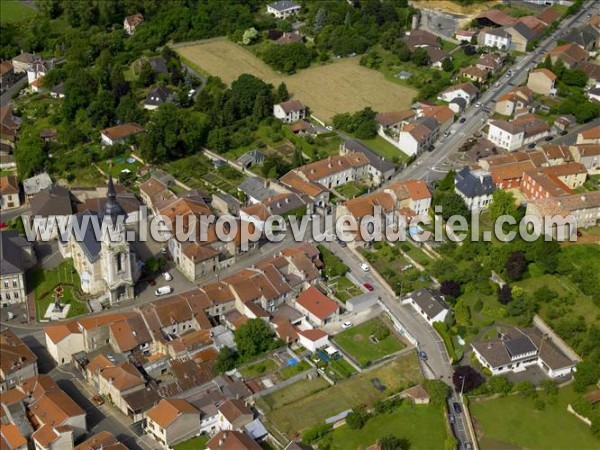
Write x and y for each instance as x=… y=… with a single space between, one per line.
x=514 y=420
x=407 y=423
x=303 y=411
x=259 y=368
x=341 y=86
x=193 y=444
x=293 y=392
x=383 y=148
x=357 y=343
x=14 y=11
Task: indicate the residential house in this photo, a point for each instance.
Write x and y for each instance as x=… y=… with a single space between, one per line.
x=518 y=99
x=475 y=187
x=38 y=69
x=495 y=38
x=593 y=94
x=313 y=340
x=21 y=62
x=118 y=380
x=157 y=63
x=234 y=415
x=7 y=75
x=103 y=440
x=155 y=194
x=130 y=335
x=120 y=133
x=564 y=122
x=517 y=133
x=418 y=136
x=589 y=136
x=9 y=193
x=9 y=126
x=474 y=73
x=48 y=205
x=233 y=440
x=289 y=38
x=588 y=155
x=522 y=36
x=548 y=16
x=381 y=206
x=516 y=349
x=437 y=57
x=257 y=190
x=421 y=39
x=172 y=421
x=157 y=96
x=570 y=54
x=35 y=184
x=494 y=18
x=466 y=91
x=335 y=170
x=16 y=256
x=378 y=170
x=58 y=91
x=490 y=62
x=318 y=308
x=428 y=303
x=11 y=437
x=465 y=35
x=415 y=192
x=542 y=81
x=584 y=208
x=17 y=362
x=283 y=9
x=572 y=174
x=586 y=36
x=392 y=122
x=537 y=184
x=442 y=114
x=289 y=111
x=252 y=158
x=48 y=437
x=132 y=22
x=592 y=71
x=510 y=175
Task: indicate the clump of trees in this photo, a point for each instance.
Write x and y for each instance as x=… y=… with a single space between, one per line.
x=362 y=123
x=289 y=58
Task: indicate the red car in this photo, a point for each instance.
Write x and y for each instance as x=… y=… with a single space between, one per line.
x=369 y=287
x=3 y=225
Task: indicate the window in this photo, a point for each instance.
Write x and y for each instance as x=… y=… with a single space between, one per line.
x=16 y=295
x=14 y=283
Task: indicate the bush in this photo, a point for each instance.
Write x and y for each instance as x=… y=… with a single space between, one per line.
x=357 y=419
x=381 y=332
x=315 y=433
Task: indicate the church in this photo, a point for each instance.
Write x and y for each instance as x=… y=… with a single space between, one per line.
x=106 y=263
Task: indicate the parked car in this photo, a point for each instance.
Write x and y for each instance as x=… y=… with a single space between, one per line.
x=346 y=325
x=167 y=276
x=163 y=291
x=10 y=315
x=377 y=383
x=548 y=138
x=462 y=120
x=532 y=145
x=422 y=355
x=564 y=132
x=457 y=408
x=369 y=287
x=478 y=104
x=452 y=418
x=365 y=267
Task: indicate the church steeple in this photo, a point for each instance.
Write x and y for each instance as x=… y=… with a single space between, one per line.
x=112 y=207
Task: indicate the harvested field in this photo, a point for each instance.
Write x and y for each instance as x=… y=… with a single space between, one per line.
x=341 y=86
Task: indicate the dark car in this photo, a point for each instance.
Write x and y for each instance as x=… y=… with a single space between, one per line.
x=462 y=120
x=377 y=383
x=564 y=132
x=369 y=287
x=549 y=138
x=457 y=408
x=422 y=355
x=532 y=145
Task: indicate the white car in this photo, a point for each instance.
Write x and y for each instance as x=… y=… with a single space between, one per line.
x=478 y=104
x=346 y=325
x=365 y=267
x=167 y=276
x=163 y=291
x=329 y=127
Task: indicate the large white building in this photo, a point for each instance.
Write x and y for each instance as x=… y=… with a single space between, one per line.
x=522 y=131
x=290 y=111
x=475 y=187
x=495 y=38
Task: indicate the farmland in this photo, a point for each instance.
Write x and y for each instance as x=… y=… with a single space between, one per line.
x=14 y=11
x=341 y=86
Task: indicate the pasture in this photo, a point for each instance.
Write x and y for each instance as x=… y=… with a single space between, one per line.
x=14 y=11
x=340 y=86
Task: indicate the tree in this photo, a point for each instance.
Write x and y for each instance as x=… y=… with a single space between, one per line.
x=503 y=204
x=438 y=391
x=320 y=19
x=447 y=65
x=297 y=157
x=576 y=77
x=357 y=419
x=504 y=294
x=499 y=384
x=391 y=442
x=282 y=93
x=450 y=288
x=30 y=155
x=462 y=313
x=467 y=378
x=420 y=57
x=289 y=58
x=249 y=36
x=452 y=204
x=526 y=389
x=226 y=360
x=253 y=338
x=515 y=265
x=549 y=387
x=147 y=75
x=588 y=373
x=367 y=129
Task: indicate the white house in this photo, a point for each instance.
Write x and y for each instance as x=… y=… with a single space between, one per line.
x=417 y=136
x=495 y=38
x=516 y=349
x=290 y=111
x=475 y=188
x=283 y=9
x=119 y=133
x=313 y=340
x=466 y=91
x=130 y=23
x=428 y=303
x=517 y=133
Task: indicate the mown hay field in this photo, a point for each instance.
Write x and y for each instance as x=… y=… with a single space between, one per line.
x=340 y=86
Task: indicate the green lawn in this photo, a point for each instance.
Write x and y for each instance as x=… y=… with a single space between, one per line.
x=383 y=148
x=418 y=255
x=43 y=282
x=341 y=368
x=193 y=444
x=14 y=11
x=352 y=190
x=303 y=411
x=357 y=342
x=258 y=369
x=292 y=393
x=514 y=420
x=345 y=289
x=290 y=371
x=422 y=426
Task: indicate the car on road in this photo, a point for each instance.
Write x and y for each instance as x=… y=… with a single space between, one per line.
x=329 y=127
x=446 y=134
x=10 y=315
x=422 y=355
x=98 y=400
x=478 y=104
x=457 y=408
x=497 y=83
x=564 y=133
x=346 y=325
x=369 y=287
x=549 y=138
x=163 y=291
x=167 y=276
x=365 y=267
x=452 y=418
x=532 y=145
x=462 y=120
x=3 y=225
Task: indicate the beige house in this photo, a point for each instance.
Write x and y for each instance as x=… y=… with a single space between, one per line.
x=542 y=81
x=234 y=415
x=16 y=256
x=117 y=381
x=9 y=193
x=171 y=421
x=17 y=361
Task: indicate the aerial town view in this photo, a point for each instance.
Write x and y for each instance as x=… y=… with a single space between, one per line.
x=300 y=224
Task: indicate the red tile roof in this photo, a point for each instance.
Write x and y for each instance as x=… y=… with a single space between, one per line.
x=317 y=303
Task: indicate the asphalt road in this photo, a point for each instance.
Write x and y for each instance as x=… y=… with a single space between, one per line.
x=430 y=164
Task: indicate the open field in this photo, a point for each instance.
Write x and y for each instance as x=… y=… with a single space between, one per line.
x=407 y=423
x=514 y=420
x=14 y=11
x=305 y=411
x=341 y=86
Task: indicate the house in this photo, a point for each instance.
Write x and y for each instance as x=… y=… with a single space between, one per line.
x=494 y=18
x=120 y=133
x=38 y=69
x=588 y=155
x=335 y=170
x=7 y=75
x=289 y=38
x=418 y=394
x=584 y=208
x=465 y=35
x=437 y=57
x=548 y=16
x=421 y=39
x=392 y=122
x=474 y=73
x=9 y=124
x=537 y=184
x=379 y=205
x=129 y=335
x=102 y=440
x=572 y=174
x=564 y=122
x=171 y=421
x=466 y=91
x=9 y=193
x=475 y=187
x=290 y=111
x=542 y=81
x=317 y=307
x=418 y=136
x=570 y=54
x=490 y=62
x=586 y=36
x=233 y=440
x=252 y=158
x=155 y=194
x=156 y=97
x=592 y=71
x=16 y=256
x=495 y=38
x=313 y=340
x=158 y=64
x=428 y=303
x=283 y=9
x=522 y=36
x=17 y=362
x=234 y=415
x=316 y=192
x=48 y=437
x=132 y=22
x=21 y=62
x=36 y=184
x=510 y=175
x=379 y=169
x=515 y=349
x=442 y=114
x=517 y=133
x=589 y=136
x=11 y=437
x=51 y=204
x=257 y=190
x=117 y=380
x=415 y=192
x=594 y=94
x=519 y=98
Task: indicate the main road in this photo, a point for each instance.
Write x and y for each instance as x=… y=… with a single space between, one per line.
x=428 y=165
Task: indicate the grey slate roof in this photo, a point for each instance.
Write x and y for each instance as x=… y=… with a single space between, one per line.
x=283 y=5
x=430 y=301
x=584 y=35
x=524 y=31
x=55 y=201
x=520 y=346
x=252 y=157
x=35 y=184
x=86 y=236
x=285 y=203
x=12 y=246
x=474 y=184
x=375 y=160
x=157 y=96
x=254 y=187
